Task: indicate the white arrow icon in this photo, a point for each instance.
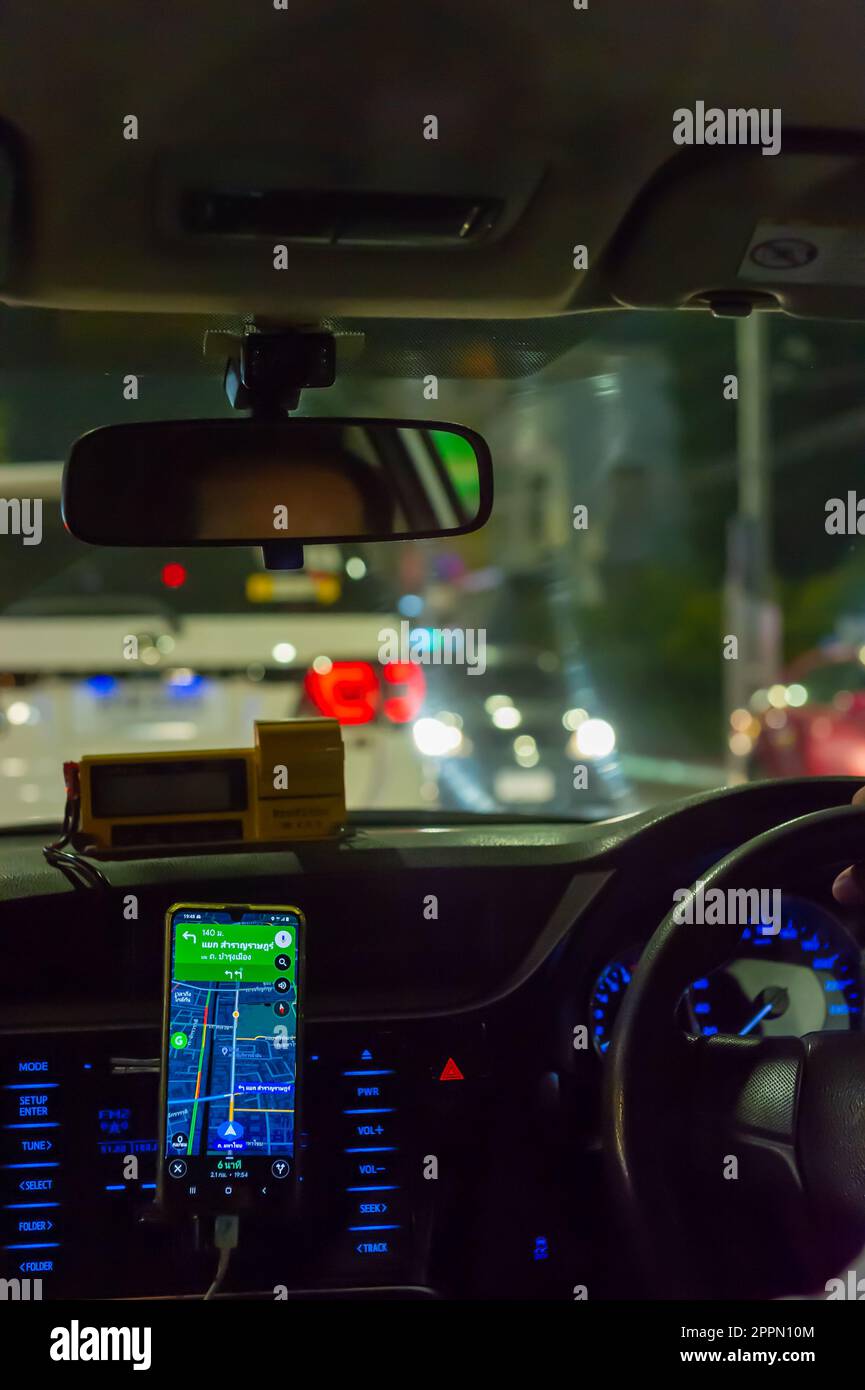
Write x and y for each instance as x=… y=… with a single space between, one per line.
x=190 y=936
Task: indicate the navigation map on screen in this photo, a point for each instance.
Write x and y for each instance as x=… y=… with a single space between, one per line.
x=232 y=1033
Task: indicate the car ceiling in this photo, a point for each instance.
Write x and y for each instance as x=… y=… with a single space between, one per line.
x=564 y=115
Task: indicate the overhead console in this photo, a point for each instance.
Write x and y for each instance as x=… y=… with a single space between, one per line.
x=728 y=228
x=241 y=195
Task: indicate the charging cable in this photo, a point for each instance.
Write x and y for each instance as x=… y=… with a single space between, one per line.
x=77 y=869
x=226 y=1234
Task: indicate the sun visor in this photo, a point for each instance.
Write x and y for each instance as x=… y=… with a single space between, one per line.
x=730 y=227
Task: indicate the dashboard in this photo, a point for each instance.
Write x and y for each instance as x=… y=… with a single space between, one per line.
x=449 y=1144
x=804 y=977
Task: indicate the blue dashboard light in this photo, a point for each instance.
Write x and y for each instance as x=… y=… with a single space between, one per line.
x=752 y=1000
x=29 y=1206
x=40 y=1245
x=30 y=1165
x=378 y=1110
x=748 y=998
x=115 y=1121
x=376 y=1187
x=375 y=1149
x=390 y=1227
x=370 y=1071
x=35 y=1124
x=31 y=1086
x=606 y=1000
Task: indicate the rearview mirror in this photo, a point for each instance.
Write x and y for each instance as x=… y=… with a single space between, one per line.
x=253 y=482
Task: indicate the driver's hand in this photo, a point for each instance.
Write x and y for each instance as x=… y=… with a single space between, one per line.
x=849 y=886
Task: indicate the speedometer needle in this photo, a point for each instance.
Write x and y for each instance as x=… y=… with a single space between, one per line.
x=776 y=1003
x=758 y=1017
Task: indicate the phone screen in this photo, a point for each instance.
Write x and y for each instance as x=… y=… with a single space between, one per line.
x=230 y=1054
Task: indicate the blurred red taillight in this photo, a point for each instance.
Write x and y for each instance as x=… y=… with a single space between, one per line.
x=401 y=709
x=349 y=691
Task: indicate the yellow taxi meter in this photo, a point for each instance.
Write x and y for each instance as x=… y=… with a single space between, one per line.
x=289 y=786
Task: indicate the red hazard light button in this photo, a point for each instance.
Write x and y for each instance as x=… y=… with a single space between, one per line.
x=451 y=1072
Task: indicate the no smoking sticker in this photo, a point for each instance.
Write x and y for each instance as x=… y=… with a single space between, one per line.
x=784 y=254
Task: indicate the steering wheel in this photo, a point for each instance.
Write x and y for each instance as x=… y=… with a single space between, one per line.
x=738 y=1164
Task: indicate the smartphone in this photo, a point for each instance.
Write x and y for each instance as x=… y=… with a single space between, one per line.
x=231 y=1057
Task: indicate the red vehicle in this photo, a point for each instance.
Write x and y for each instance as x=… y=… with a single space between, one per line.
x=812 y=723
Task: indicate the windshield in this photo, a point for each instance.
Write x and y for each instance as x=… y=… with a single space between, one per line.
x=665 y=599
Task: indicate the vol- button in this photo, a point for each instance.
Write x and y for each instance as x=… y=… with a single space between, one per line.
x=368 y=1168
